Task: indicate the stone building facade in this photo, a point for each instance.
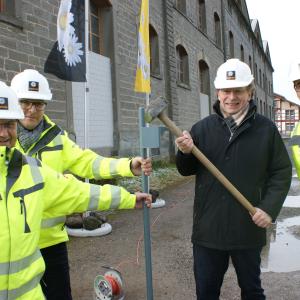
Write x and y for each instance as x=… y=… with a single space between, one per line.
x=189 y=39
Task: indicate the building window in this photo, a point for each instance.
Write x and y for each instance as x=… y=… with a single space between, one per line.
x=94 y=38
x=218 y=36
x=181 y=6
x=154 y=52
x=231 y=44
x=250 y=63
x=255 y=72
x=182 y=65
x=260 y=77
x=261 y=107
x=2 y=8
x=242 y=53
x=10 y=12
x=204 y=77
x=202 y=15
x=97 y=27
x=289 y=126
x=7 y=7
x=229 y=3
x=290 y=114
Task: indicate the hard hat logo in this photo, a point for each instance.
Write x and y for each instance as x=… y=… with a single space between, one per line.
x=230 y=75
x=3 y=103
x=33 y=86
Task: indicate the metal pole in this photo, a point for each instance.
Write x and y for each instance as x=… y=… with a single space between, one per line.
x=86 y=87
x=147 y=237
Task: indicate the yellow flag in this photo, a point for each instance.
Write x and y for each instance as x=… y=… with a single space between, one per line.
x=142 y=79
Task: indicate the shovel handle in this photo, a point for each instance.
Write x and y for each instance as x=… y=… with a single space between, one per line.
x=209 y=165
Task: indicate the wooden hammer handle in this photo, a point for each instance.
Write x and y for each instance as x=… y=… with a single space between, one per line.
x=209 y=165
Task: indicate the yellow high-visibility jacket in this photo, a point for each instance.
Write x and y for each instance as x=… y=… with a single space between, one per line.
x=29 y=191
x=55 y=149
x=295 y=144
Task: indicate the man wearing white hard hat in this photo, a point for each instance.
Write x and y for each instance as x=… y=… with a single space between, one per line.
x=40 y=137
x=295 y=135
x=29 y=190
x=295 y=76
x=247 y=148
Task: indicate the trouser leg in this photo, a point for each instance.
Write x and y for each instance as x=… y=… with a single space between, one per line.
x=56 y=280
x=210 y=266
x=247 y=267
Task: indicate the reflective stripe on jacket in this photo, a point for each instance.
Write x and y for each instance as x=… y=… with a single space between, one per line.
x=59 y=152
x=29 y=192
x=295 y=145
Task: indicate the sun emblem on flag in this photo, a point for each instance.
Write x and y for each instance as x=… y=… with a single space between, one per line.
x=142 y=58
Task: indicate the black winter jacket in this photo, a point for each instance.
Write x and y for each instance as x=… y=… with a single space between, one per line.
x=254 y=160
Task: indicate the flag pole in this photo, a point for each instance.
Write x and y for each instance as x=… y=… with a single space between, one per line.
x=86 y=84
x=142 y=85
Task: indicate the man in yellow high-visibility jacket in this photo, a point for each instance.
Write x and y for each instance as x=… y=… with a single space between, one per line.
x=39 y=137
x=29 y=191
x=295 y=135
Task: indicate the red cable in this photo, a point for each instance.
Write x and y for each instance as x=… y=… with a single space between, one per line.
x=116 y=288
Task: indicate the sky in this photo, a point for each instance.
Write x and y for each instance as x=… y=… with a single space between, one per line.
x=279 y=23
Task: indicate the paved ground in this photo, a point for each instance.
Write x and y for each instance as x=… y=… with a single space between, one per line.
x=171 y=255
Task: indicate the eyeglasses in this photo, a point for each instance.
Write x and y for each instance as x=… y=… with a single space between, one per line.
x=297 y=85
x=28 y=104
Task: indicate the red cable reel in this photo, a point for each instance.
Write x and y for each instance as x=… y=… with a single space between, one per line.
x=109 y=286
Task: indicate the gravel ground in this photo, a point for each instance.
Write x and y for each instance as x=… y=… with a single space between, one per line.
x=171 y=255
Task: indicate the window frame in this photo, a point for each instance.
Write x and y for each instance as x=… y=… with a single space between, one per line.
x=231 y=44
x=204 y=77
x=181 y=6
x=242 y=50
x=11 y=15
x=202 y=16
x=154 y=52
x=218 y=30
x=182 y=62
x=91 y=34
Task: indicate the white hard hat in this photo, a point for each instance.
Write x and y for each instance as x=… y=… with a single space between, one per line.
x=9 y=105
x=233 y=74
x=30 y=84
x=294 y=71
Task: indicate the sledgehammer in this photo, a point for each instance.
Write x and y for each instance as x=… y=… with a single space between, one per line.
x=156 y=109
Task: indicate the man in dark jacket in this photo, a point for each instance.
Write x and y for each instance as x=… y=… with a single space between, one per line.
x=247 y=148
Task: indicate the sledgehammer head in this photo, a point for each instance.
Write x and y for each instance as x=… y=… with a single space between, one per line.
x=155 y=107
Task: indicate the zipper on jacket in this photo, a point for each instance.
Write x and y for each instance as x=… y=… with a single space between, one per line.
x=23 y=211
x=232 y=133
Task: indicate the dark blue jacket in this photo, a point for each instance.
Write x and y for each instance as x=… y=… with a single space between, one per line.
x=254 y=160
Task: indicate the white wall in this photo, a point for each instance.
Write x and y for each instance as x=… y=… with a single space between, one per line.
x=99 y=104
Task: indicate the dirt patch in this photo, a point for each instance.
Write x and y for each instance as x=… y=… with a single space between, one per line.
x=171 y=255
